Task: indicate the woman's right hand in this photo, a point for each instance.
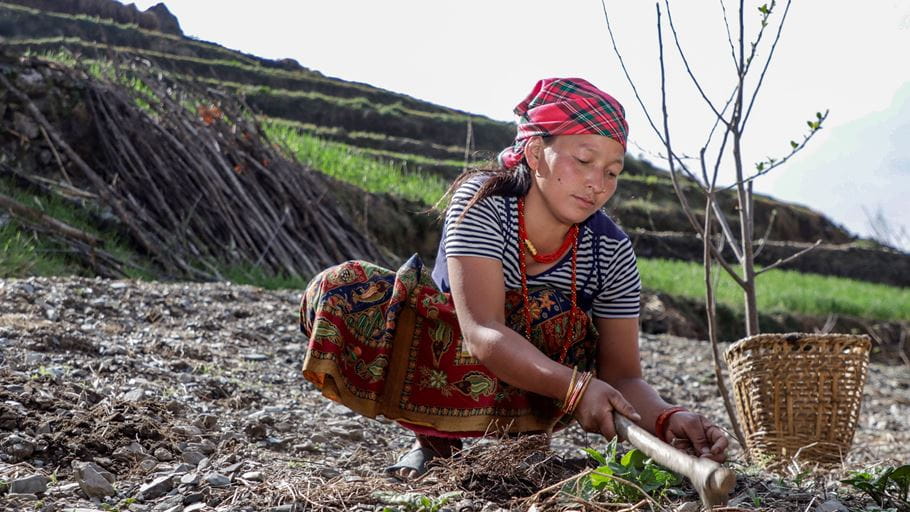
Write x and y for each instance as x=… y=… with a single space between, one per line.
x=595 y=411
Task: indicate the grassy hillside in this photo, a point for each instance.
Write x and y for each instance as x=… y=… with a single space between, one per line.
x=418 y=136
x=396 y=153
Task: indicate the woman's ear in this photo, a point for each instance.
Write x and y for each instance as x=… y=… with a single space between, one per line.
x=532 y=152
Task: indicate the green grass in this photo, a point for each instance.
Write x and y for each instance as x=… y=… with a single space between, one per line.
x=256 y=276
x=783 y=291
x=349 y=164
x=25 y=254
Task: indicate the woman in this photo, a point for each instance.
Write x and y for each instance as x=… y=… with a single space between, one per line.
x=531 y=316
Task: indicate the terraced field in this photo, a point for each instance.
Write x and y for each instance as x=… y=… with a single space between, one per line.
x=414 y=136
x=400 y=148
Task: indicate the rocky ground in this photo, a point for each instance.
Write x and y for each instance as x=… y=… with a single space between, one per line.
x=140 y=396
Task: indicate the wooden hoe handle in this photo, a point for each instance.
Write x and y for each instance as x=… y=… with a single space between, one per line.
x=712 y=481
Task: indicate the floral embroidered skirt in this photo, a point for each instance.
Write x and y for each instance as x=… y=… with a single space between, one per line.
x=388 y=343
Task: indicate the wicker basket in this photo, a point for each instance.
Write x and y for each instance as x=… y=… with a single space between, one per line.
x=798 y=395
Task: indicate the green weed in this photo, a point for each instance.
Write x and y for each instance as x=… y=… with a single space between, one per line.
x=889 y=486
x=611 y=475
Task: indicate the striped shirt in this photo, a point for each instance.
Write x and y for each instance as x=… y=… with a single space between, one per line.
x=608 y=282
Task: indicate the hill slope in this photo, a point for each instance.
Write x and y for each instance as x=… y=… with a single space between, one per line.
x=418 y=136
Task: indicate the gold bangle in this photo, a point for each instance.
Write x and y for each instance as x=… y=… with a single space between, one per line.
x=571 y=385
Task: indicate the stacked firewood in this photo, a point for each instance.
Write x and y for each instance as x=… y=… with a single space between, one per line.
x=192 y=178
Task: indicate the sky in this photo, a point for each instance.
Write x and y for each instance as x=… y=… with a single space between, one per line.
x=484 y=56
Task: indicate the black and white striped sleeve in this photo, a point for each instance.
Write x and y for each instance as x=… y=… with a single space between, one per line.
x=620 y=292
x=479 y=232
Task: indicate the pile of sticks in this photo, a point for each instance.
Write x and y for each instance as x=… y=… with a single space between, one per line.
x=198 y=185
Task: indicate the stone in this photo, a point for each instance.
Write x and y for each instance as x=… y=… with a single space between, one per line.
x=77 y=466
x=256 y=431
x=19 y=496
x=18 y=448
x=206 y=421
x=163 y=454
x=187 y=430
x=232 y=467
x=30 y=82
x=319 y=437
x=190 y=479
x=193 y=457
x=147 y=465
x=255 y=356
x=831 y=505
x=64 y=488
x=217 y=480
x=327 y=472
x=195 y=506
x=130 y=452
x=466 y=505
x=25 y=126
x=134 y=395
x=207 y=447
x=156 y=488
x=254 y=476
x=193 y=497
x=92 y=483
x=183 y=468
x=169 y=504
x=34 y=484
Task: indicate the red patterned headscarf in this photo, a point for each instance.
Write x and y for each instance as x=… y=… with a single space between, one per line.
x=565 y=106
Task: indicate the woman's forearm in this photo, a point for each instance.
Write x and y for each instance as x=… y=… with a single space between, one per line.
x=517 y=362
x=643 y=397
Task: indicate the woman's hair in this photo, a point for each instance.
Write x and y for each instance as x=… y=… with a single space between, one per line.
x=501 y=182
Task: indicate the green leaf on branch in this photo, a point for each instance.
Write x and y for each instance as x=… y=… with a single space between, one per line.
x=764 y=9
x=760 y=166
x=793 y=144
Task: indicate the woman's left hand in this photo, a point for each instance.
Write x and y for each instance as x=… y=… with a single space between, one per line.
x=695 y=434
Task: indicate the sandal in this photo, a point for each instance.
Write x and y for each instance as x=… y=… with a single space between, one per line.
x=416 y=459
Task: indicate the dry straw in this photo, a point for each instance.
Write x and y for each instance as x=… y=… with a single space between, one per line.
x=798 y=395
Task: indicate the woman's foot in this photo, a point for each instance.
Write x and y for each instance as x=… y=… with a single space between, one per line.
x=426 y=448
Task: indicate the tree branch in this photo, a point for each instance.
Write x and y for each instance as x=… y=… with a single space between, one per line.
x=764 y=70
x=723 y=9
x=792 y=257
x=764 y=238
x=625 y=71
x=682 y=55
x=36 y=216
x=711 y=308
x=776 y=163
x=687 y=209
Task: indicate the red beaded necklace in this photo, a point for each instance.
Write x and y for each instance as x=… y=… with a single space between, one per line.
x=523 y=243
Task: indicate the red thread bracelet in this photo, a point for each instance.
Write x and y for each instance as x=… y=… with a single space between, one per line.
x=663 y=421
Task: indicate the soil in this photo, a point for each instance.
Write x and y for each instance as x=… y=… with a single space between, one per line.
x=189 y=397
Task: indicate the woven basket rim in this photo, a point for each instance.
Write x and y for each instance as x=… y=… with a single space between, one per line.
x=864 y=340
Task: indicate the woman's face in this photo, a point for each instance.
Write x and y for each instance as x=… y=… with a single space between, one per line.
x=576 y=174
